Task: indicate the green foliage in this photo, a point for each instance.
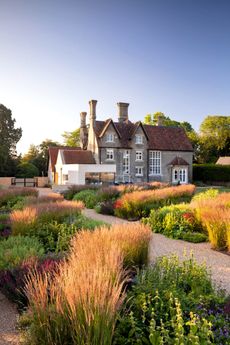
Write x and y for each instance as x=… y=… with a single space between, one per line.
x=211 y=173
x=38 y=156
x=74 y=189
x=176 y=221
x=207 y=194
x=26 y=170
x=9 y=136
x=72 y=139
x=161 y=308
x=88 y=197
x=15 y=250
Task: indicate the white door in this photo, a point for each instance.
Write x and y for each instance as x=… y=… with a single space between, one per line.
x=180 y=175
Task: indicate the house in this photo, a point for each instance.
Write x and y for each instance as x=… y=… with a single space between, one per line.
x=123 y=151
x=140 y=152
x=223 y=160
x=73 y=165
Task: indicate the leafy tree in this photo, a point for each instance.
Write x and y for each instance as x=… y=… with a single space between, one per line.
x=72 y=138
x=9 y=136
x=152 y=119
x=214 y=138
x=38 y=156
x=26 y=170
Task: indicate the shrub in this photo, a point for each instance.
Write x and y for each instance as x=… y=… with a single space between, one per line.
x=12 y=281
x=161 y=307
x=74 y=189
x=14 y=250
x=138 y=204
x=24 y=220
x=105 y=207
x=211 y=173
x=88 y=197
x=176 y=221
x=82 y=303
x=108 y=194
x=5 y=229
x=207 y=194
x=27 y=170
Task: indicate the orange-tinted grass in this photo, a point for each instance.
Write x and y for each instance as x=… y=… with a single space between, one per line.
x=21 y=219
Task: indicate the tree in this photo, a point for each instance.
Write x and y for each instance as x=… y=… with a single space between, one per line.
x=72 y=138
x=9 y=136
x=214 y=138
x=38 y=155
x=26 y=170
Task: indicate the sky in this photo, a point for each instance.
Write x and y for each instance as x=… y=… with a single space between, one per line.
x=158 y=55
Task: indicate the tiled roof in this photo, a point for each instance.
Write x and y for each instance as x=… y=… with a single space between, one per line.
x=178 y=161
x=223 y=160
x=53 y=153
x=77 y=157
x=159 y=137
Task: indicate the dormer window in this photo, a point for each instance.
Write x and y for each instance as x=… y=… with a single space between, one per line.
x=109 y=138
x=139 y=139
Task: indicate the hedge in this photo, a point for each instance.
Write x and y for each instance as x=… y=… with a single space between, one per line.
x=211 y=173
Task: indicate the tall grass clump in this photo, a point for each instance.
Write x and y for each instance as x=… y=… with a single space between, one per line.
x=11 y=194
x=214 y=214
x=81 y=304
x=23 y=220
x=139 y=203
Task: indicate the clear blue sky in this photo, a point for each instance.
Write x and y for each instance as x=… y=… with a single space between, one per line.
x=159 y=55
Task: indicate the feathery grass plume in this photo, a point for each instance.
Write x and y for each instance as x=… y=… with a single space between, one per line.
x=22 y=220
x=217 y=222
x=7 y=194
x=138 y=203
x=85 y=296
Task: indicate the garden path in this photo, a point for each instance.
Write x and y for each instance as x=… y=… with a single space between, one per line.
x=8 y=321
x=218 y=263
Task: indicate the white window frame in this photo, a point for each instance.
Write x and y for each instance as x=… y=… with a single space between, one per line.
x=109 y=138
x=139 y=171
x=109 y=154
x=139 y=155
x=154 y=163
x=180 y=174
x=138 y=139
x=126 y=162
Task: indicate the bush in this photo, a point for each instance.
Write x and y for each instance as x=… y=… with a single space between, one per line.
x=211 y=173
x=139 y=204
x=207 y=194
x=27 y=170
x=82 y=303
x=14 y=250
x=12 y=281
x=88 y=197
x=165 y=304
x=176 y=221
x=74 y=189
x=105 y=207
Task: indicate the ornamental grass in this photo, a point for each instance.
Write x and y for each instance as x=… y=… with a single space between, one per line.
x=214 y=214
x=80 y=304
x=139 y=203
x=7 y=194
x=22 y=220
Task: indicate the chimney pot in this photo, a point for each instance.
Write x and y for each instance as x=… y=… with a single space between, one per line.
x=92 y=107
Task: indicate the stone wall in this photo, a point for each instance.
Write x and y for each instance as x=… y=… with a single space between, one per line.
x=5 y=181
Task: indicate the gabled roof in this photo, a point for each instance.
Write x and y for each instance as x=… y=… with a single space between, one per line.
x=159 y=137
x=136 y=126
x=77 y=157
x=178 y=161
x=53 y=153
x=106 y=125
x=223 y=160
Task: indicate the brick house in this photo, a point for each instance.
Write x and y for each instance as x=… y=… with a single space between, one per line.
x=140 y=152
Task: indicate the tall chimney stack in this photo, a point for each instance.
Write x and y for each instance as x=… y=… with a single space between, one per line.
x=123 y=112
x=83 y=131
x=92 y=107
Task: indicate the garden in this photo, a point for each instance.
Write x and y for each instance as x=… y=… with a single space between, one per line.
x=80 y=281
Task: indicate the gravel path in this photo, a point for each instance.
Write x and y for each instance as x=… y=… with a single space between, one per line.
x=8 y=321
x=160 y=245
